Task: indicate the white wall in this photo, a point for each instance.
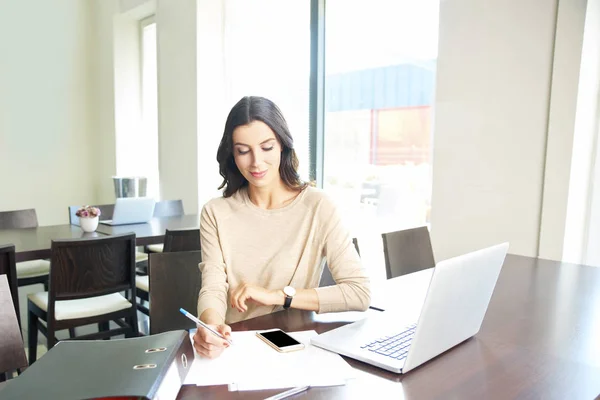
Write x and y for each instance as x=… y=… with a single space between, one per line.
x=103 y=98
x=515 y=115
x=177 y=101
x=491 y=113
x=46 y=146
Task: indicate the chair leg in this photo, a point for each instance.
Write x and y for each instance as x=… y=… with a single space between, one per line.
x=51 y=336
x=32 y=335
x=46 y=285
x=104 y=327
x=133 y=322
x=72 y=333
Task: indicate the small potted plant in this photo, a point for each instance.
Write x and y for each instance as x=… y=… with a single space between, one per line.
x=88 y=218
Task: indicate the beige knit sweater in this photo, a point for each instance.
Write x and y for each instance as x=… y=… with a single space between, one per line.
x=242 y=243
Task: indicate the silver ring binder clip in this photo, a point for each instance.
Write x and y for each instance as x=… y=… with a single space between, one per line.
x=156 y=350
x=144 y=366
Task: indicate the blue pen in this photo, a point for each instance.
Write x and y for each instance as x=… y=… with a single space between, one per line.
x=202 y=324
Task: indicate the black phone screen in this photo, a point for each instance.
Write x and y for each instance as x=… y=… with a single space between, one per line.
x=280 y=338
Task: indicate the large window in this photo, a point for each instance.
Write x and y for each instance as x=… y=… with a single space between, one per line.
x=267 y=53
x=380 y=63
x=149 y=88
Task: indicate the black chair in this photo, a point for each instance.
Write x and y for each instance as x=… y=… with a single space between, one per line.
x=182 y=240
x=18 y=219
x=175 y=241
x=86 y=278
x=106 y=212
x=12 y=352
x=175 y=283
x=165 y=208
x=407 y=251
x=28 y=272
x=326 y=278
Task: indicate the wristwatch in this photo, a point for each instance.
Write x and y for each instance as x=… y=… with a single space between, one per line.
x=289 y=292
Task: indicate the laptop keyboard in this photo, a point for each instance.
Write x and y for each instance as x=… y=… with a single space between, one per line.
x=393 y=346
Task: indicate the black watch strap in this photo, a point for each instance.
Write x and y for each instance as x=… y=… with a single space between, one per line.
x=288 y=302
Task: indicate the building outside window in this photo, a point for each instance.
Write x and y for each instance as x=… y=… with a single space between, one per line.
x=380 y=67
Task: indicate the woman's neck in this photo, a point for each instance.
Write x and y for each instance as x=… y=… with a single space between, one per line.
x=272 y=197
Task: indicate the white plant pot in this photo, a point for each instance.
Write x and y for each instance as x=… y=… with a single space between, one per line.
x=88 y=224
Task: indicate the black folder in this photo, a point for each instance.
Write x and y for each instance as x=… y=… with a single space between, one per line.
x=148 y=367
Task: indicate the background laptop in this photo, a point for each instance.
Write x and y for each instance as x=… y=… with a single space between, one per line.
x=456 y=302
x=131 y=210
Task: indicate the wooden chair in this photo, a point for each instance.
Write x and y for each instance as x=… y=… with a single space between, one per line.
x=8 y=268
x=12 y=353
x=407 y=251
x=28 y=272
x=182 y=240
x=175 y=241
x=165 y=208
x=18 y=219
x=175 y=283
x=326 y=278
x=86 y=278
x=106 y=212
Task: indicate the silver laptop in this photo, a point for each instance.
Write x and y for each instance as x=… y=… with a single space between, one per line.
x=131 y=210
x=456 y=302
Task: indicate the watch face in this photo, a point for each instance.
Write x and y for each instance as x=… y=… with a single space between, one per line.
x=289 y=291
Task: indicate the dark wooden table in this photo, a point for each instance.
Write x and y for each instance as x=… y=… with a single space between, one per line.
x=540 y=340
x=153 y=232
x=35 y=243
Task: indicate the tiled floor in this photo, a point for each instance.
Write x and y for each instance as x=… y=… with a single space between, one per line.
x=143 y=324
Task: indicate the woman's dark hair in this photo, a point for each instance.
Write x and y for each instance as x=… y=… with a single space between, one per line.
x=247 y=110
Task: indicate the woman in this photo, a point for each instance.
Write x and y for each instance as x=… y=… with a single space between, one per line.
x=264 y=241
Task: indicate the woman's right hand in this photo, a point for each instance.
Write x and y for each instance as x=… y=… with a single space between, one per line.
x=208 y=344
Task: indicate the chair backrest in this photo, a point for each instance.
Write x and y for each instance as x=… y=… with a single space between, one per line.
x=12 y=352
x=175 y=283
x=182 y=240
x=88 y=267
x=168 y=208
x=18 y=219
x=106 y=212
x=8 y=268
x=407 y=251
x=326 y=278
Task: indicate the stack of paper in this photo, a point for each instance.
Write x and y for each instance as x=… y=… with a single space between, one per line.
x=251 y=364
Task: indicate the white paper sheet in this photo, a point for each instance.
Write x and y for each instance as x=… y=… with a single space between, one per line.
x=251 y=364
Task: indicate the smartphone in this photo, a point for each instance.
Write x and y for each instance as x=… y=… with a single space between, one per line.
x=280 y=341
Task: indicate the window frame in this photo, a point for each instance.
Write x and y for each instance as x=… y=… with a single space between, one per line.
x=317 y=92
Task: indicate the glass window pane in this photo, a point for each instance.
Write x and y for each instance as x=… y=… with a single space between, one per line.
x=379 y=89
x=148 y=161
x=267 y=53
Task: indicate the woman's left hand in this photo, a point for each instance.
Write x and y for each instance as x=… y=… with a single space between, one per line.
x=241 y=294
